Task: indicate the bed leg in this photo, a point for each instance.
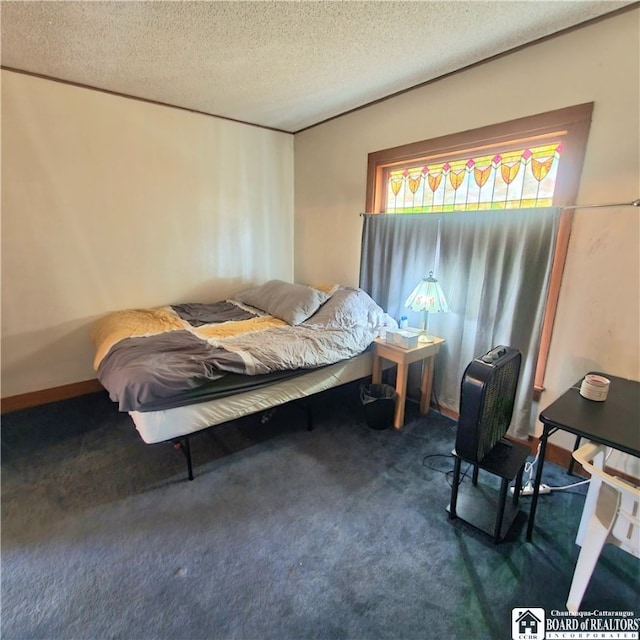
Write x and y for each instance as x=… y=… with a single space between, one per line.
x=185 y=446
x=309 y=415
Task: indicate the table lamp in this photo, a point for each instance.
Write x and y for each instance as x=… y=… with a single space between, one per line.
x=428 y=298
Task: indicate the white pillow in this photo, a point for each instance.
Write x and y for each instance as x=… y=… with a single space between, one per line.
x=293 y=303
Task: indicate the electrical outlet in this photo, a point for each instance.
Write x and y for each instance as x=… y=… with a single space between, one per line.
x=527 y=490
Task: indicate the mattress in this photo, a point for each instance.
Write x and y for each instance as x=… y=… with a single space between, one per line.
x=177 y=422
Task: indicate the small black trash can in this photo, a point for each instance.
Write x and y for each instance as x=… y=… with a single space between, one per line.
x=379 y=401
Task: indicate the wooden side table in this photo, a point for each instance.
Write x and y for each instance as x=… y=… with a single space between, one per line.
x=425 y=352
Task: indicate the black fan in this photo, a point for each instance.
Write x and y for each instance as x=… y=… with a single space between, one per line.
x=487 y=395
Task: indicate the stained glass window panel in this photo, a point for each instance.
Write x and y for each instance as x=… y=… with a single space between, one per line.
x=510 y=180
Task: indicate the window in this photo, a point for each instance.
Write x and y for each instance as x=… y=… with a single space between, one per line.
x=530 y=162
x=523 y=177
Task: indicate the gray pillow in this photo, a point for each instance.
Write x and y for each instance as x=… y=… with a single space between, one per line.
x=293 y=303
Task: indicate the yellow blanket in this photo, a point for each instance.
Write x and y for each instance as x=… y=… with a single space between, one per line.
x=138 y=323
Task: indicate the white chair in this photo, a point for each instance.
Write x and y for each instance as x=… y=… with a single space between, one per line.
x=614 y=519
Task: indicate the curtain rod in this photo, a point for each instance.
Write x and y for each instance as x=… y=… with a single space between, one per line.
x=633 y=203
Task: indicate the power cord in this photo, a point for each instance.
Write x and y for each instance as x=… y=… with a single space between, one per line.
x=527 y=487
x=449 y=472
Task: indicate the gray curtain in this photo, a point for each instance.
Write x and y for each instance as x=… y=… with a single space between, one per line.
x=494 y=269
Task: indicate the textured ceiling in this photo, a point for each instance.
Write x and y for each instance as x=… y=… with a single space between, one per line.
x=286 y=65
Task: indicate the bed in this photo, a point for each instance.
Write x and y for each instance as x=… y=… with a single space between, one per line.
x=183 y=368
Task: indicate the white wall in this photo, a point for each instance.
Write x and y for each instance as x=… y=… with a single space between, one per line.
x=111 y=203
x=597 y=324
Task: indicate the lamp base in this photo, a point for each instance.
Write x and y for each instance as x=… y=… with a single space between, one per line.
x=424 y=336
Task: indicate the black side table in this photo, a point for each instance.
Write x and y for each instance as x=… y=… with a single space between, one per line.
x=614 y=423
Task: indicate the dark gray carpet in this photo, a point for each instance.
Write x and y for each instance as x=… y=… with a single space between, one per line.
x=340 y=532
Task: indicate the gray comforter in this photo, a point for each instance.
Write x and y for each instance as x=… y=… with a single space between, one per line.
x=146 y=356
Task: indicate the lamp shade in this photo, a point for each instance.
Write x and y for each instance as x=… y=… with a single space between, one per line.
x=427 y=296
